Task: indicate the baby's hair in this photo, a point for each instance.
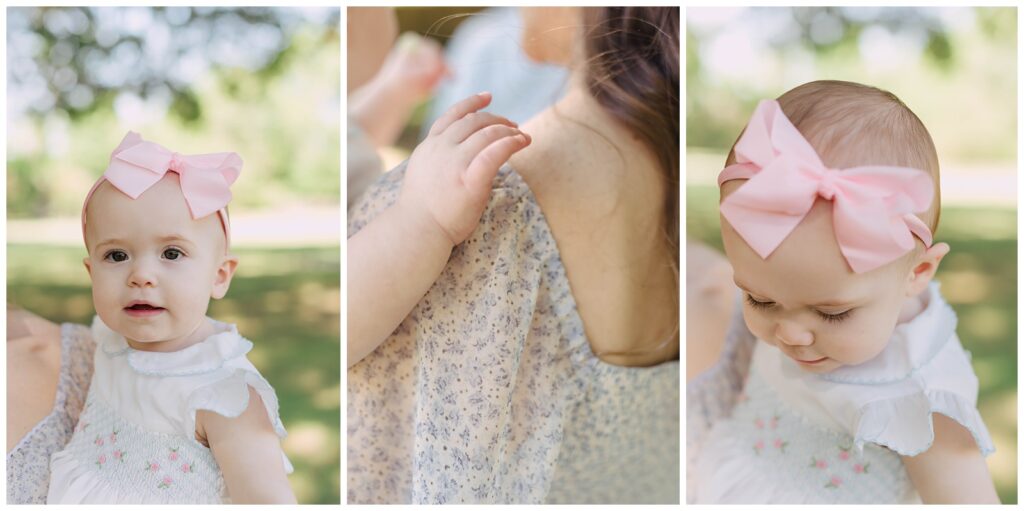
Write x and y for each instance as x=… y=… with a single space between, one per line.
x=850 y=124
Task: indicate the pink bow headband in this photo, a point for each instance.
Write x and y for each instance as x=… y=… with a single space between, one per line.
x=136 y=165
x=872 y=207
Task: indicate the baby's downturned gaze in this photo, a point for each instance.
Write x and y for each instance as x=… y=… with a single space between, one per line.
x=829 y=203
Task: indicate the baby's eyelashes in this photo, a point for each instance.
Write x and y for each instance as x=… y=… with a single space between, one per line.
x=834 y=317
x=173 y=254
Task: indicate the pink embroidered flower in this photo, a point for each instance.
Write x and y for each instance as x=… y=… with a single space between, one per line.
x=118 y=454
x=821 y=464
x=861 y=469
x=759 y=423
x=844 y=455
x=780 y=445
x=759 y=445
x=174 y=455
x=186 y=468
x=113 y=437
x=153 y=467
x=165 y=482
x=775 y=422
x=102 y=459
x=99 y=441
x=834 y=482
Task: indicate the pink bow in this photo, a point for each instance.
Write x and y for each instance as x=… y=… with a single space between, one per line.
x=873 y=206
x=136 y=165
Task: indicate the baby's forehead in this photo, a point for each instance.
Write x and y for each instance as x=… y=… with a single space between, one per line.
x=159 y=210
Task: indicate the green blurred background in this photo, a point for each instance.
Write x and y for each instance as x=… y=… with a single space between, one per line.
x=957 y=69
x=263 y=82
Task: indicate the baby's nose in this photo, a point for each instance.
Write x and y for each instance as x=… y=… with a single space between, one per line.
x=793 y=334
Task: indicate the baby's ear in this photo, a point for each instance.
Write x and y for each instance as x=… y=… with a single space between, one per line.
x=925 y=267
x=88 y=266
x=222 y=280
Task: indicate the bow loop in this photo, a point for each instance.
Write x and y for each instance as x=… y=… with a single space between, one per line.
x=872 y=205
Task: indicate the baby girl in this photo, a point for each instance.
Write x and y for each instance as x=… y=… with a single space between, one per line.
x=175 y=413
x=859 y=390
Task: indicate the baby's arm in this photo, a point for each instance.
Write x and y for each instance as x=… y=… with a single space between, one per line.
x=952 y=470
x=393 y=260
x=248 y=452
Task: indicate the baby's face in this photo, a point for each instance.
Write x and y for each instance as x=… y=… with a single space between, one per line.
x=153 y=268
x=805 y=300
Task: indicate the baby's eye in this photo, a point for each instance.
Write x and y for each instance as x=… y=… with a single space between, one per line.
x=116 y=256
x=173 y=254
x=759 y=305
x=835 y=318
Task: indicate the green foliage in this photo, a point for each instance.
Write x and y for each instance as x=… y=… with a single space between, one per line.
x=963 y=86
x=287 y=301
x=283 y=119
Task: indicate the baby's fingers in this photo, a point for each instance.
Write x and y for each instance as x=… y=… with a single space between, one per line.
x=485 y=165
x=459 y=110
x=472 y=123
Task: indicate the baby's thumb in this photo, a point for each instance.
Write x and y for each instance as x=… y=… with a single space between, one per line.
x=484 y=167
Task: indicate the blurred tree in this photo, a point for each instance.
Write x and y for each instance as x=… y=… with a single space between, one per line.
x=78 y=59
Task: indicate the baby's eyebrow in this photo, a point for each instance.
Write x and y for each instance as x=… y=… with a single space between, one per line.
x=110 y=241
x=175 y=237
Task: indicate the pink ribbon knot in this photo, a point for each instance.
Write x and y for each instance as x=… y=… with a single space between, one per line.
x=872 y=206
x=206 y=179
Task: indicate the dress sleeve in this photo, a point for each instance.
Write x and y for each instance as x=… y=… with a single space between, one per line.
x=229 y=396
x=464 y=402
x=901 y=419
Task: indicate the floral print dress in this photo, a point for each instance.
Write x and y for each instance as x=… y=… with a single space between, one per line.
x=796 y=437
x=489 y=392
x=28 y=463
x=135 y=440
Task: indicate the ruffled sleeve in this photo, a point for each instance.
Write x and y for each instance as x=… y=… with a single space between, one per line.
x=890 y=400
x=229 y=396
x=902 y=419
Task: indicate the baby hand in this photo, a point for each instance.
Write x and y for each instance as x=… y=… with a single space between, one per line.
x=449 y=175
x=415 y=65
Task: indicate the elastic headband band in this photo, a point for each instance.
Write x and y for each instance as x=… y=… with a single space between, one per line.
x=206 y=179
x=873 y=206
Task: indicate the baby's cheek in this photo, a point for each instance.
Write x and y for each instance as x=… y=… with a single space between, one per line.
x=863 y=345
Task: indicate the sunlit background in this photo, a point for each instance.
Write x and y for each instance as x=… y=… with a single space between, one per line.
x=483 y=49
x=263 y=82
x=956 y=68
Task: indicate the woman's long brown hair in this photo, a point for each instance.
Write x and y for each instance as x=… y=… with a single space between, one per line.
x=632 y=70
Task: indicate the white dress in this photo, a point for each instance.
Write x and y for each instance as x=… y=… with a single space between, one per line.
x=797 y=437
x=135 y=440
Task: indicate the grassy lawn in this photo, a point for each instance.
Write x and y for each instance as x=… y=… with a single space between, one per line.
x=287 y=301
x=979 y=278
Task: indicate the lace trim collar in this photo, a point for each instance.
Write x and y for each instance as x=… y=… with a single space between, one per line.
x=205 y=356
